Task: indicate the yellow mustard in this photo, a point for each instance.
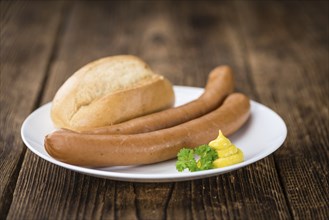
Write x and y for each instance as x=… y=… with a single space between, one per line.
x=228 y=153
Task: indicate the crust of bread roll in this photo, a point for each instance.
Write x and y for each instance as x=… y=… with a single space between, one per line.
x=109 y=91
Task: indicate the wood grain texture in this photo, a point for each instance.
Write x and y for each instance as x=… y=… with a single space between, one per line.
x=290 y=72
x=24 y=59
x=151 y=201
x=277 y=50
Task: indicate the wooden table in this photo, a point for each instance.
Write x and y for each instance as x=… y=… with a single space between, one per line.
x=278 y=50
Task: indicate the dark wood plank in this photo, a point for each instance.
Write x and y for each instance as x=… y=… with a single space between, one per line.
x=27 y=35
x=288 y=47
x=152 y=199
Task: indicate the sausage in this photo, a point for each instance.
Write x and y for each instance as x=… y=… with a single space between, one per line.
x=94 y=150
x=220 y=84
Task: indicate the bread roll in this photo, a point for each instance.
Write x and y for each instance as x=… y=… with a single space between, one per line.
x=109 y=91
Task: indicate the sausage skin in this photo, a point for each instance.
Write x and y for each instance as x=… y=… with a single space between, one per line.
x=219 y=85
x=94 y=150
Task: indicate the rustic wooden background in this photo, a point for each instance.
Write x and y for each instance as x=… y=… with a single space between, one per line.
x=278 y=49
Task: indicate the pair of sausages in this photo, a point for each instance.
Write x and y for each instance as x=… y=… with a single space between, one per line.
x=101 y=148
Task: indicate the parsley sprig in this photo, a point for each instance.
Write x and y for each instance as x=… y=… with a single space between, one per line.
x=200 y=158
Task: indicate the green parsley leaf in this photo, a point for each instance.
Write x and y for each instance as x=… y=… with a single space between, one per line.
x=207 y=156
x=187 y=158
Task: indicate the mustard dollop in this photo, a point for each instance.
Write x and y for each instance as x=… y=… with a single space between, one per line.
x=228 y=153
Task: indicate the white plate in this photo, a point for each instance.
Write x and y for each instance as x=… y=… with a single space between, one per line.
x=264 y=132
